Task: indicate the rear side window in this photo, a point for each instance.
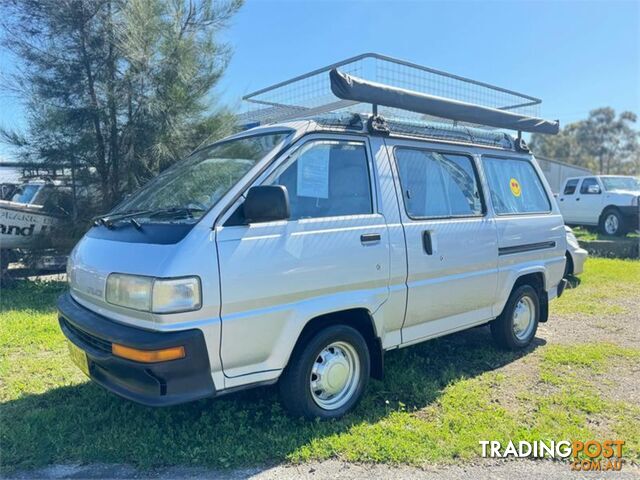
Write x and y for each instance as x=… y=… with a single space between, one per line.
x=515 y=186
x=570 y=187
x=327 y=178
x=438 y=184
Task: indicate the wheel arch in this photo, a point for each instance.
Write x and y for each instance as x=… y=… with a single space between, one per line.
x=536 y=279
x=607 y=208
x=359 y=318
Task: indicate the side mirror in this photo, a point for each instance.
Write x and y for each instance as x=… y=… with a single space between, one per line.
x=266 y=203
x=594 y=189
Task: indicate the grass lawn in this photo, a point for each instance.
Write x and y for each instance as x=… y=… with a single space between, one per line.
x=437 y=401
x=590 y=235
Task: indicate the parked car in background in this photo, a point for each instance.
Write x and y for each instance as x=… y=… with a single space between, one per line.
x=609 y=202
x=34 y=210
x=576 y=255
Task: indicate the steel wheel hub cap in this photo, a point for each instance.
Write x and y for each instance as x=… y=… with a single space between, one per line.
x=334 y=375
x=611 y=224
x=523 y=318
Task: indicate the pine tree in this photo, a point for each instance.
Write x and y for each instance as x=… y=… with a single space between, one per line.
x=121 y=86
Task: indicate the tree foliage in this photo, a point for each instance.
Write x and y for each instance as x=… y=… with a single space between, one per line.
x=604 y=143
x=122 y=86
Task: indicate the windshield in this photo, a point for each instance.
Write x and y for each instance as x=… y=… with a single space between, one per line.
x=621 y=183
x=25 y=193
x=195 y=184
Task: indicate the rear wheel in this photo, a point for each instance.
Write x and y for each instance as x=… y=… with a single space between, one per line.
x=568 y=266
x=326 y=376
x=611 y=222
x=516 y=326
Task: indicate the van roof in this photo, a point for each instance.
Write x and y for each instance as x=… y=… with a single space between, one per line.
x=394 y=127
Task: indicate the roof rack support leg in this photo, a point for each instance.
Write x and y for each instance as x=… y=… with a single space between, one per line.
x=521 y=145
x=374 y=109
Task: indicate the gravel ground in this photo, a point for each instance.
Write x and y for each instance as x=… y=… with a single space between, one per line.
x=331 y=469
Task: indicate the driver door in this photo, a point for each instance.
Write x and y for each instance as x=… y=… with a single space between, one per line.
x=331 y=254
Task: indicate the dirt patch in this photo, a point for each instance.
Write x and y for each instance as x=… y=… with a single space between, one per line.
x=331 y=469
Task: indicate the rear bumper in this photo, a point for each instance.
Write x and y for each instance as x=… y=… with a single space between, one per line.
x=153 y=384
x=578 y=256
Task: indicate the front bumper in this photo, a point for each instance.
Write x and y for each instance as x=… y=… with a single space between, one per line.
x=153 y=384
x=631 y=216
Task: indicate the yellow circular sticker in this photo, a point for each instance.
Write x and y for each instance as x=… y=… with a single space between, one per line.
x=515 y=187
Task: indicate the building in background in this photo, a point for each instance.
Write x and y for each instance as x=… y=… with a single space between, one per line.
x=557 y=172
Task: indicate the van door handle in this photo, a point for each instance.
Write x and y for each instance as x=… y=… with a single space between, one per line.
x=578 y=199
x=370 y=237
x=426 y=242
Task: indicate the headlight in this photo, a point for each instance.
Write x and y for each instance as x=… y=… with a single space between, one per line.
x=176 y=295
x=154 y=294
x=131 y=291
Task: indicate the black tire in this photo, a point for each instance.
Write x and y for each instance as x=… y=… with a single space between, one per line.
x=619 y=221
x=295 y=387
x=502 y=328
x=568 y=266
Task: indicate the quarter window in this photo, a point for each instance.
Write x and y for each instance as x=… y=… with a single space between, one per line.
x=438 y=184
x=570 y=187
x=515 y=186
x=326 y=178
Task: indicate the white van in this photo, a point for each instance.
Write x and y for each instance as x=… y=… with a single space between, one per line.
x=300 y=252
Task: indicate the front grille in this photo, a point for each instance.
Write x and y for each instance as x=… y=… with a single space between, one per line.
x=85 y=337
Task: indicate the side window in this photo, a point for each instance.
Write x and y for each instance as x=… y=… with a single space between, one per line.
x=326 y=178
x=570 y=187
x=515 y=186
x=590 y=182
x=438 y=184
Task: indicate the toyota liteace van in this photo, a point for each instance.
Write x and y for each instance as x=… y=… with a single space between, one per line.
x=300 y=251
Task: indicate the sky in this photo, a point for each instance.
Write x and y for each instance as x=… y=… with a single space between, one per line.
x=574 y=55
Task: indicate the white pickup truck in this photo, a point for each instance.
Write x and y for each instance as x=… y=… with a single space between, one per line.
x=606 y=201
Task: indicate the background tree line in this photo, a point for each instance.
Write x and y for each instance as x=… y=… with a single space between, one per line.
x=121 y=86
x=604 y=143
x=121 y=89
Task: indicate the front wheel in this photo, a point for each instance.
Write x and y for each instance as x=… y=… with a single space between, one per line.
x=516 y=326
x=612 y=223
x=326 y=376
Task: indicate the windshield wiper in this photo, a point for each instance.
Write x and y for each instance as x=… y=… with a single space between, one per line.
x=132 y=215
x=107 y=220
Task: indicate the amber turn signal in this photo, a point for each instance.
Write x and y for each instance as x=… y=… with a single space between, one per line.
x=147 y=356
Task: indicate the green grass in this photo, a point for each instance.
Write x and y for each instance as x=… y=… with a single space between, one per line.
x=603 y=289
x=438 y=400
x=591 y=235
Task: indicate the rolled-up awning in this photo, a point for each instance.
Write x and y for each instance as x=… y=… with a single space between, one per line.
x=348 y=87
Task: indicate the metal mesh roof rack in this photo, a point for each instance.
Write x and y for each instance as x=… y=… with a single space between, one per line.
x=311 y=94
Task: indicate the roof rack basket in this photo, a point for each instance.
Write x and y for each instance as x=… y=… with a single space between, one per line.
x=396 y=89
